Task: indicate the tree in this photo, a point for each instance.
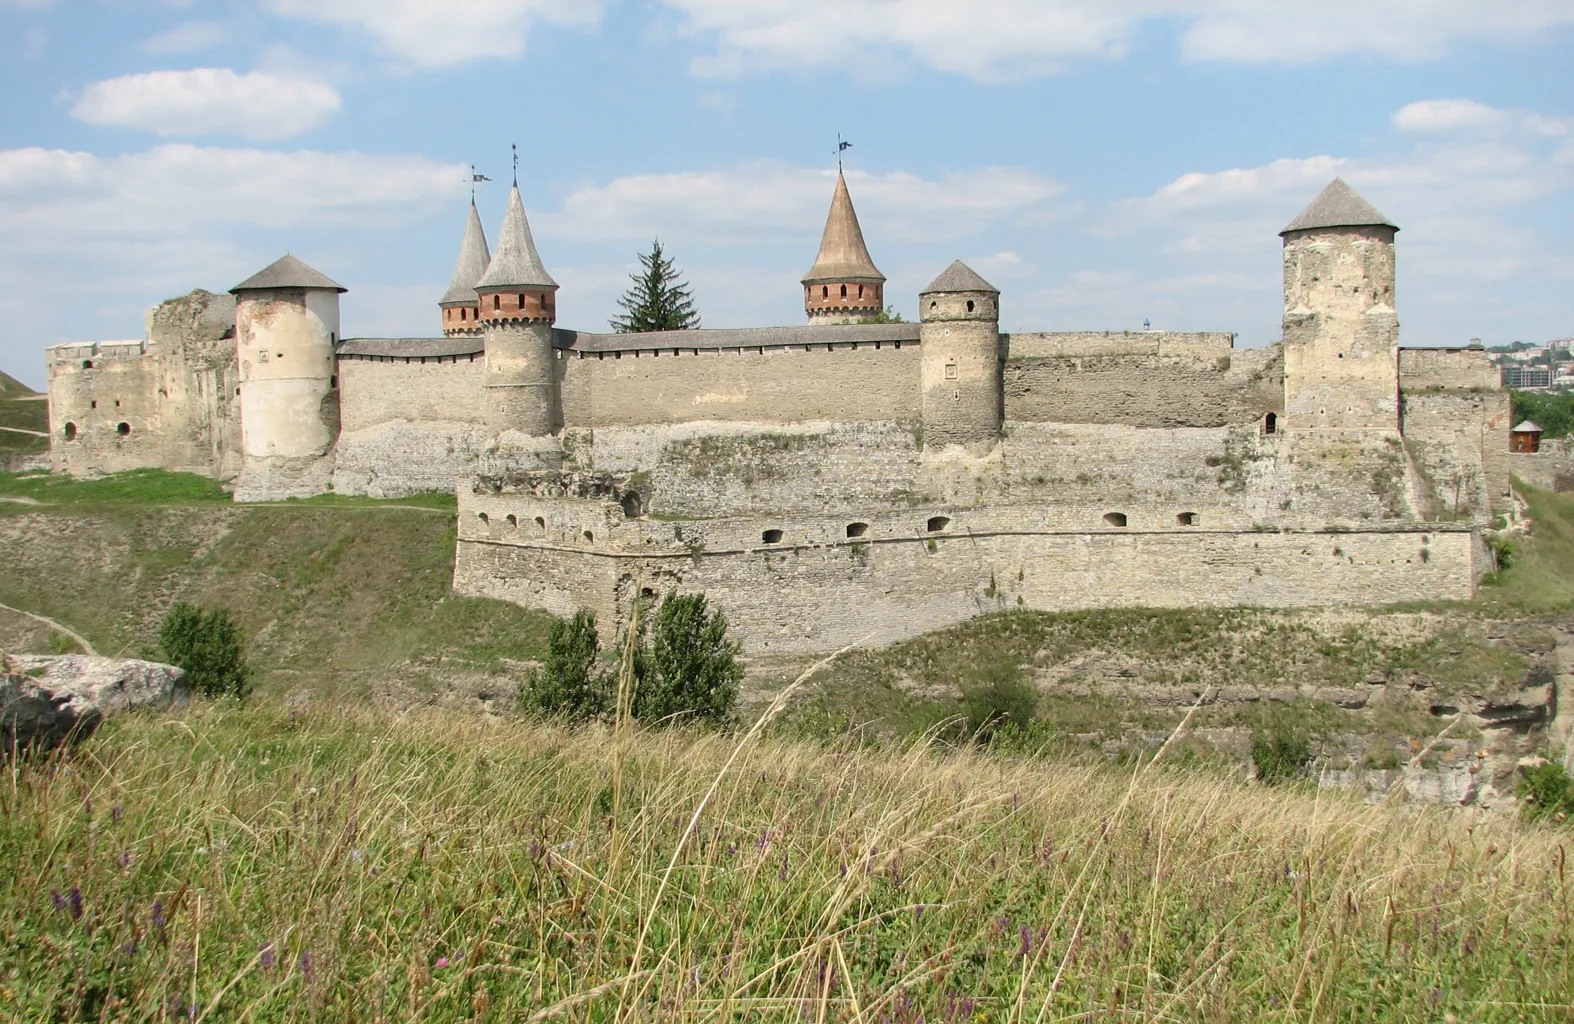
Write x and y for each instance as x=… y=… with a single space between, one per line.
x=208 y=646
x=656 y=299
x=568 y=683
x=888 y=315
x=694 y=671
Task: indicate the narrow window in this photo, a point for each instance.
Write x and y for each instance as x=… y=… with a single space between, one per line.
x=969 y=305
x=1115 y=518
x=825 y=293
x=860 y=291
x=1270 y=424
x=1187 y=519
x=483 y=517
x=771 y=537
x=857 y=529
x=937 y=523
x=541 y=523
x=123 y=429
x=589 y=537
x=844 y=291
x=497 y=302
x=333 y=381
x=463 y=313
x=513 y=521
x=933 y=304
x=71 y=431
x=92 y=405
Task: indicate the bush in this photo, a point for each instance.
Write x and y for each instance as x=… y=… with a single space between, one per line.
x=996 y=707
x=693 y=670
x=208 y=646
x=1547 y=792
x=569 y=683
x=1280 y=755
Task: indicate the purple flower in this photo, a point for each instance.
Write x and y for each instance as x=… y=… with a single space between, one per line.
x=115 y=813
x=265 y=956
x=157 y=917
x=1025 y=934
x=58 y=900
x=306 y=966
x=125 y=858
x=442 y=963
x=75 y=899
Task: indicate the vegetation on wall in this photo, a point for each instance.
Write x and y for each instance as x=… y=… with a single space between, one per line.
x=657 y=298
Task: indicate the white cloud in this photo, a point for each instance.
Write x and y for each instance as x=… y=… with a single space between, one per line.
x=205 y=101
x=1456 y=115
x=437 y=34
x=768 y=201
x=187 y=37
x=990 y=39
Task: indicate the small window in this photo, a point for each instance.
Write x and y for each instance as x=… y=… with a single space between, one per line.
x=333 y=381
x=483 y=517
x=123 y=429
x=521 y=301
x=542 y=523
x=825 y=292
x=771 y=537
x=969 y=305
x=934 y=305
x=937 y=523
x=844 y=291
x=1188 y=519
x=630 y=504
x=513 y=521
x=497 y=302
x=92 y=405
x=71 y=431
x=1115 y=518
x=590 y=538
x=860 y=291
x=857 y=529
x=87 y=364
x=1270 y=424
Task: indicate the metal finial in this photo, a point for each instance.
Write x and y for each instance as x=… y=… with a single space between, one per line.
x=840 y=148
x=515 y=148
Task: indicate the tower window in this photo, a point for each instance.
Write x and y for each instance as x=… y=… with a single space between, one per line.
x=860 y=291
x=464 y=314
x=857 y=529
x=1270 y=424
x=513 y=520
x=485 y=519
x=123 y=429
x=771 y=537
x=844 y=291
x=521 y=301
x=937 y=523
x=969 y=305
x=825 y=293
x=1115 y=518
x=71 y=431
x=497 y=302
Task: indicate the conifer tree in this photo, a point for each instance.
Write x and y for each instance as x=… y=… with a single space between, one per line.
x=656 y=299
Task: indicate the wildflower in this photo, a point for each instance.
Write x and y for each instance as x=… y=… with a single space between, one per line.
x=442 y=963
x=75 y=899
x=1025 y=934
x=115 y=813
x=125 y=858
x=157 y=917
x=58 y=900
x=307 y=968
x=265 y=956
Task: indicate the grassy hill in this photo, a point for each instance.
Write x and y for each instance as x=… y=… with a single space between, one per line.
x=10 y=387
x=339 y=864
x=21 y=409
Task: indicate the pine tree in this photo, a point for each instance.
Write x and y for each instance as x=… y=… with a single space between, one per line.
x=656 y=300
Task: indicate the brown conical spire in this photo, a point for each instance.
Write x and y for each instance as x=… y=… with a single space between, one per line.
x=843 y=255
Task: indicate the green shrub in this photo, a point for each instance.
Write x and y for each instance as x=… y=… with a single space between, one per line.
x=997 y=706
x=1281 y=754
x=568 y=684
x=693 y=671
x=208 y=646
x=1547 y=793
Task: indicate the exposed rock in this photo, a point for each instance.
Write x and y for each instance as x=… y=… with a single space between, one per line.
x=1344 y=697
x=49 y=700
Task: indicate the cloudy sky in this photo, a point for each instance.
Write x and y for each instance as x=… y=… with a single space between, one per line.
x=1103 y=162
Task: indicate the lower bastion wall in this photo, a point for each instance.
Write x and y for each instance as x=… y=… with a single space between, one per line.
x=816 y=583
x=1457 y=443
x=1551 y=468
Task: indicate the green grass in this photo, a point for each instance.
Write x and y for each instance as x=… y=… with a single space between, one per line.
x=10 y=387
x=135 y=487
x=318 y=864
x=1540 y=578
x=22 y=413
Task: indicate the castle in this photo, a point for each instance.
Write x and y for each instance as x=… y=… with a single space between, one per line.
x=846 y=481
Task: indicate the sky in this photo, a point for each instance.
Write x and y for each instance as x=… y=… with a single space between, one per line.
x=1104 y=163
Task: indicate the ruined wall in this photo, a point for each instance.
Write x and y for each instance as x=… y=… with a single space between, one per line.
x=194 y=340
x=1457 y=442
x=1136 y=383
x=816 y=583
x=866 y=381
x=1551 y=468
x=103 y=408
x=1437 y=369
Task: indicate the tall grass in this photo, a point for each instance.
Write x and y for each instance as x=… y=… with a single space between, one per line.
x=275 y=865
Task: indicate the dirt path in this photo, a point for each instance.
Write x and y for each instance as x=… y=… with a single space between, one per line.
x=23 y=430
x=87 y=648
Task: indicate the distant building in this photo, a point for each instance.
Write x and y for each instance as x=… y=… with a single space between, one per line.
x=1523 y=378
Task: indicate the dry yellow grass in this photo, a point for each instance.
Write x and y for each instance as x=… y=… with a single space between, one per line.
x=327 y=863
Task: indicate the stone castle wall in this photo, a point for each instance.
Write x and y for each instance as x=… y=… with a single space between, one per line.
x=374 y=390
x=1457 y=441
x=1551 y=468
x=801 y=584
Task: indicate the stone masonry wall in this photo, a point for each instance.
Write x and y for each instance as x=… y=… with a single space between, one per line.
x=1424 y=369
x=1457 y=443
x=374 y=391
x=769 y=385
x=816 y=583
x=1551 y=468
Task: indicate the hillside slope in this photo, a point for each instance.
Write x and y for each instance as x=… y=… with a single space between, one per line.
x=24 y=420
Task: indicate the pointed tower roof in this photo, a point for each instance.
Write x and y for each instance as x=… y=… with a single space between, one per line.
x=288 y=272
x=515 y=264
x=1338 y=206
x=843 y=255
x=959 y=277
x=473 y=260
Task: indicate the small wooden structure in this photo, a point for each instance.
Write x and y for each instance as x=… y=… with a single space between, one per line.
x=1525 y=438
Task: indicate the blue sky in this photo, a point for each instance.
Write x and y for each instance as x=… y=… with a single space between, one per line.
x=1102 y=162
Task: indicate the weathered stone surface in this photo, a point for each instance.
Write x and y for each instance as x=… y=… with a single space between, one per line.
x=49 y=700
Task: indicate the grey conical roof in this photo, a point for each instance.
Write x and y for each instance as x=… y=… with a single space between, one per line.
x=473 y=259
x=515 y=264
x=288 y=272
x=1338 y=206
x=843 y=255
x=959 y=277
x=1527 y=427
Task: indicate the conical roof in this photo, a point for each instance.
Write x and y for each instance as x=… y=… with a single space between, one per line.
x=1527 y=427
x=1338 y=206
x=288 y=272
x=473 y=259
x=843 y=255
x=959 y=277
x=515 y=264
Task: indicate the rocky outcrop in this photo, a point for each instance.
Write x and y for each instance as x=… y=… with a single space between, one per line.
x=48 y=701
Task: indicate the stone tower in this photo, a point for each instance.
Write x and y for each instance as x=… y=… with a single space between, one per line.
x=461 y=309
x=286 y=329
x=843 y=286
x=960 y=362
x=1341 y=334
x=518 y=301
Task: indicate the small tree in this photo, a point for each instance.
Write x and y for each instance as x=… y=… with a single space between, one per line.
x=1281 y=754
x=694 y=669
x=208 y=646
x=656 y=299
x=568 y=683
x=888 y=315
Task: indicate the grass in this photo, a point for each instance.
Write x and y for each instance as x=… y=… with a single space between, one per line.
x=1540 y=579
x=19 y=411
x=282 y=865
x=162 y=488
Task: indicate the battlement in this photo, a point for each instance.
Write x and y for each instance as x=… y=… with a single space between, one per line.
x=1447 y=369
x=87 y=355
x=1200 y=345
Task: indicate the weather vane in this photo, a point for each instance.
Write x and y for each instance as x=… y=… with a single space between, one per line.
x=840 y=148
x=515 y=148
x=474 y=177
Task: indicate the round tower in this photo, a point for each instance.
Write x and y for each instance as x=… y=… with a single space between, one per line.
x=461 y=309
x=1341 y=331
x=518 y=304
x=959 y=373
x=843 y=286
x=286 y=329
